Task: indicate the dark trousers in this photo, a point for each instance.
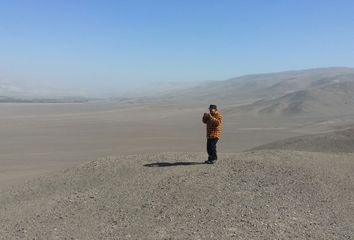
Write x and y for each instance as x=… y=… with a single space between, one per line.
x=211 y=149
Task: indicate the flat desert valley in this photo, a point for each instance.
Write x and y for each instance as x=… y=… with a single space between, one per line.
x=133 y=168
x=40 y=138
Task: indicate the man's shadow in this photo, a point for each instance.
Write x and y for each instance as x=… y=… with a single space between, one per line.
x=173 y=164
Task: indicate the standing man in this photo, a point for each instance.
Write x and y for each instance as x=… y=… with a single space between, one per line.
x=213 y=121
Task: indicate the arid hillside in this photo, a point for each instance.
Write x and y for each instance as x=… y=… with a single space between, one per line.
x=335 y=141
x=251 y=88
x=251 y=195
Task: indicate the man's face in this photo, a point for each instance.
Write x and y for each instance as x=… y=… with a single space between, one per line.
x=212 y=111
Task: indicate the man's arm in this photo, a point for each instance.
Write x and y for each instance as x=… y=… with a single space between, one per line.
x=206 y=118
x=216 y=121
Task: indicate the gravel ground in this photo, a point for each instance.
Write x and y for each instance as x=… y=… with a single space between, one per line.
x=336 y=142
x=252 y=195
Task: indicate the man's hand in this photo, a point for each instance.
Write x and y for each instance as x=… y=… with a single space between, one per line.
x=206 y=118
x=207 y=115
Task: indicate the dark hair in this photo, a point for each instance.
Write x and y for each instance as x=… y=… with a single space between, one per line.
x=212 y=106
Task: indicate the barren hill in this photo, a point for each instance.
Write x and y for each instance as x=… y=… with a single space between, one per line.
x=337 y=141
x=264 y=86
x=332 y=99
x=251 y=195
x=312 y=92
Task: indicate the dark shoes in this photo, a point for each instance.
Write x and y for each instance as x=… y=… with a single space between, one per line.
x=210 y=161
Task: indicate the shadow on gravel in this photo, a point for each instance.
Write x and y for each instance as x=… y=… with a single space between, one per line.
x=167 y=164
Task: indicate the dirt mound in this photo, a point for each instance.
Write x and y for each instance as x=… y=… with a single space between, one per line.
x=252 y=195
x=338 y=141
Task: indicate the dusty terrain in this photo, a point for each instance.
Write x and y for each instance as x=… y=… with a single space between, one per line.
x=132 y=168
x=252 y=195
x=334 y=141
x=41 y=138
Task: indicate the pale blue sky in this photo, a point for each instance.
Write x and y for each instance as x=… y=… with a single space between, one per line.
x=105 y=46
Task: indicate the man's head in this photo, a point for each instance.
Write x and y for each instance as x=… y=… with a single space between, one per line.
x=212 y=109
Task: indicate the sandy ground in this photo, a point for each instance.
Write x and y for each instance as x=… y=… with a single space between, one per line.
x=40 y=138
x=111 y=171
x=251 y=195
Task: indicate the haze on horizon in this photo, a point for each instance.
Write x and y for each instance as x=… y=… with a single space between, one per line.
x=96 y=48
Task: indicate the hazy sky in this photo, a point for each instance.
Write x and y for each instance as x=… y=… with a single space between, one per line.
x=106 y=46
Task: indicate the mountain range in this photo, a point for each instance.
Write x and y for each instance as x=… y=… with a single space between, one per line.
x=325 y=91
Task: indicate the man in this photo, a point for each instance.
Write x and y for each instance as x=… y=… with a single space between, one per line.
x=213 y=121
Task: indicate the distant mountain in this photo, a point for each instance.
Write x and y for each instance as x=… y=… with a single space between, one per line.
x=320 y=94
x=23 y=93
x=332 y=98
x=266 y=86
x=337 y=141
x=10 y=89
x=324 y=91
x=158 y=89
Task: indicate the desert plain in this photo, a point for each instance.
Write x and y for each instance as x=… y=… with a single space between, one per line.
x=133 y=168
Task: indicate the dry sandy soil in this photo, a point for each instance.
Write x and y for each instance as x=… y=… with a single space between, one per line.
x=258 y=109
x=251 y=195
x=40 y=138
x=56 y=181
x=52 y=186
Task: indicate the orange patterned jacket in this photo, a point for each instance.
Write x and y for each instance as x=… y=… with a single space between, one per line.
x=213 y=125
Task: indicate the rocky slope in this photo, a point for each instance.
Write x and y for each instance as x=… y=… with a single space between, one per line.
x=251 y=195
x=336 y=141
